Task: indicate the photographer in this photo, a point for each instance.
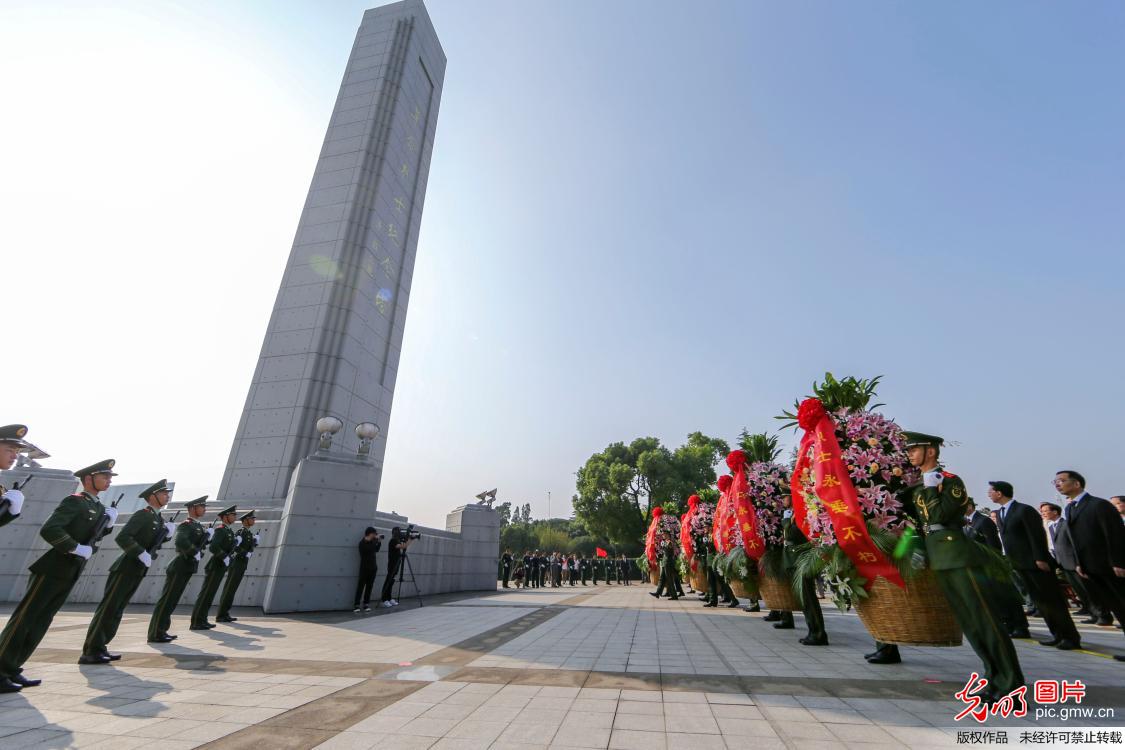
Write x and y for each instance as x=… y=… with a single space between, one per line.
x=400 y=540
x=368 y=568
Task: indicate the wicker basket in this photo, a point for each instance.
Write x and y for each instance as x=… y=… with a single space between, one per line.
x=654 y=576
x=918 y=615
x=744 y=591
x=699 y=577
x=778 y=594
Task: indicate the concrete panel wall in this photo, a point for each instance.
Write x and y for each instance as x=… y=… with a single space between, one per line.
x=307 y=559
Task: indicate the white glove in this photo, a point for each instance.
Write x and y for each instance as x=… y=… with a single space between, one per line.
x=83 y=550
x=249 y=555
x=112 y=513
x=210 y=533
x=145 y=558
x=15 y=497
x=226 y=560
x=171 y=527
x=256 y=538
x=198 y=556
x=932 y=478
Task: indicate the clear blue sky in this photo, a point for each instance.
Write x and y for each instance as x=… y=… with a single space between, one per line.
x=648 y=218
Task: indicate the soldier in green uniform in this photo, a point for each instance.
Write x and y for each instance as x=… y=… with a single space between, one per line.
x=136 y=538
x=957 y=562
x=190 y=539
x=810 y=606
x=11 y=445
x=222 y=546
x=244 y=544
x=70 y=531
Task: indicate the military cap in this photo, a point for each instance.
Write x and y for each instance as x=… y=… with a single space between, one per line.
x=231 y=509
x=161 y=486
x=101 y=467
x=14 y=433
x=244 y=516
x=196 y=501
x=921 y=438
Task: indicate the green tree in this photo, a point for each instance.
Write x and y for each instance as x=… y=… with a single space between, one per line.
x=505 y=511
x=618 y=487
x=551 y=539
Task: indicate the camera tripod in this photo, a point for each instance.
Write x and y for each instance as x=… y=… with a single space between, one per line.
x=403 y=567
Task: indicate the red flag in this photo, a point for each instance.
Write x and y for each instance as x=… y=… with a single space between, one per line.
x=600 y=552
x=834 y=489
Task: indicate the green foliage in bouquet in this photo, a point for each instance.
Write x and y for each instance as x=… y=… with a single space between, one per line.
x=759 y=446
x=851 y=393
x=840 y=574
x=708 y=495
x=772 y=563
x=738 y=566
x=643 y=564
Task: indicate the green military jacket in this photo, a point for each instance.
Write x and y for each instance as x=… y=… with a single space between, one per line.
x=190 y=540
x=948 y=547
x=135 y=537
x=70 y=524
x=244 y=544
x=222 y=545
x=792 y=536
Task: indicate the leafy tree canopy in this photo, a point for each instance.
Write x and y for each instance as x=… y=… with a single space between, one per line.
x=618 y=487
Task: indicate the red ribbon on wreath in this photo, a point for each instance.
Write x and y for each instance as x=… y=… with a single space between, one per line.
x=745 y=513
x=650 y=537
x=722 y=527
x=834 y=489
x=685 y=531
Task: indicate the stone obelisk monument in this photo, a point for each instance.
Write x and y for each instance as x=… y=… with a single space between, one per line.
x=333 y=342
x=331 y=350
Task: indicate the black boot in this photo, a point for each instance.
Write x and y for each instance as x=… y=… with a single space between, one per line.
x=887 y=653
x=773 y=616
x=785 y=622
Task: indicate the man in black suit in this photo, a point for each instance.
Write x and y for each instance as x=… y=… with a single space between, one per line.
x=1025 y=544
x=1099 y=539
x=982 y=528
x=1067 y=559
x=1009 y=593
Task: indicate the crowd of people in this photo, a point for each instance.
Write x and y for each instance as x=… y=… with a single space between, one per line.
x=537 y=570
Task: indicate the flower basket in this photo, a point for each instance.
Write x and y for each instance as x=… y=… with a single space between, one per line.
x=699 y=576
x=918 y=615
x=777 y=593
x=654 y=576
x=744 y=590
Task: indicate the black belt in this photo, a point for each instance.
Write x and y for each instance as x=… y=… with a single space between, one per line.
x=931 y=527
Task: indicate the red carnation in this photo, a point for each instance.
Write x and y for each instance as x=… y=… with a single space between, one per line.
x=657 y=512
x=810 y=412
x=724 y=483
x=736 y=460
x=693 y=501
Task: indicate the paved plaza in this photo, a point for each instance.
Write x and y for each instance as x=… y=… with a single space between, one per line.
x=604 y=667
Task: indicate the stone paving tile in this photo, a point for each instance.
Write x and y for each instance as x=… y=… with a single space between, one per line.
x=612 y=669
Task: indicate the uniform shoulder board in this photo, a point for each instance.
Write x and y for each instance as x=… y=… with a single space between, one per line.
x=185 y=522
x=949 y=475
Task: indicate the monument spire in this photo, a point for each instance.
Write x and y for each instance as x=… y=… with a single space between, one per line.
x=335 y=335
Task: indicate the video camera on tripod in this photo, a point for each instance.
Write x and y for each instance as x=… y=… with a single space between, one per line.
x=410 y=534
